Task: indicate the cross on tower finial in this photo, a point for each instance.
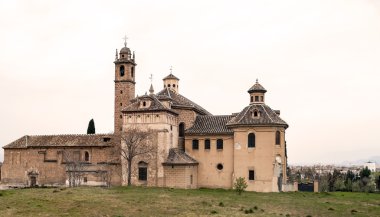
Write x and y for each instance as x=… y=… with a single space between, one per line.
x=151 y=78
x=125 y=40
x=171 y=69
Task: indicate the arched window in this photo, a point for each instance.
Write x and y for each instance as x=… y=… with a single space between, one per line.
x=181 y=129
x=86 y=156
x=173 y=85
x=219 y=144
x=132 y=71
x=278 y=138
x=251 y=140
x=251 y=98
x=144 y=103
x=122 y=71
x=168 y=85
x=143 y=171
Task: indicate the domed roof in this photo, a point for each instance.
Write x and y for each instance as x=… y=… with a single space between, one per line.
x=125 y=50
x=171 y=76
x=257 y=88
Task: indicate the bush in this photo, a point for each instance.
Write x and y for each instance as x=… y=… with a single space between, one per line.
x=240 y=185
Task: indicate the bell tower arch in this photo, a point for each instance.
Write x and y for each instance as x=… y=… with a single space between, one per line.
x=124 y=83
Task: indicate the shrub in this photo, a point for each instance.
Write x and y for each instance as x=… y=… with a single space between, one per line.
x=221 y=204
x=240 y=185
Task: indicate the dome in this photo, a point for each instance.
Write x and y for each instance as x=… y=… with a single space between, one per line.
x=125 y=50
x=257 y=88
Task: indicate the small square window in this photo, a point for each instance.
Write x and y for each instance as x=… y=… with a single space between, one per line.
x=251 y=175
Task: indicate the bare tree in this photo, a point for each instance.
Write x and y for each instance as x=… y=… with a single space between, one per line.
x=75 y=168
x=135 y=142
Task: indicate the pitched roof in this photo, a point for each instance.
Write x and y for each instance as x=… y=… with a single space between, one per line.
x=179 y=157
x=257 y=88
x=155 y=105
x=74 y=140
x=266 y=117
x=209 y=124
x=179 y=101
x=170 y=76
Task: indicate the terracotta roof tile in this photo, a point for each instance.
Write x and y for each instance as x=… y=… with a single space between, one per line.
x=179 y=157
x=84 y=140
x=209 y=124
x=179 y=101
x=266 y=116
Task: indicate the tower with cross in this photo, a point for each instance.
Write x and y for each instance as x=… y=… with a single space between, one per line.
x=171 y=81
x=124 y=83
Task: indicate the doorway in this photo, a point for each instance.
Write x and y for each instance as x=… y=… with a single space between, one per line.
x=33 y=181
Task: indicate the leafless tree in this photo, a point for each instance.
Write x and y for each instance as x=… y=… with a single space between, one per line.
x=136 y=142
x=75 y=168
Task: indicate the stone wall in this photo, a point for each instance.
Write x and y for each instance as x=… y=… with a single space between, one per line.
x=181 y=176
x=48 y=166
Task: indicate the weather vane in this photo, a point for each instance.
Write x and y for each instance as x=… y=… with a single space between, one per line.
x=125 y=40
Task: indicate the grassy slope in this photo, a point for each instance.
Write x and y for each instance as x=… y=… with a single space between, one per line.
x=169 y=202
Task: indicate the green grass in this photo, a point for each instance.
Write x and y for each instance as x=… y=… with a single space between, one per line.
x=135 y=201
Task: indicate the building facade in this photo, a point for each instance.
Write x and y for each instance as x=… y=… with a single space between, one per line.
x=190 y=147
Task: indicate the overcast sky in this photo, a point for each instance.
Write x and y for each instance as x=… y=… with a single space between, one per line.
x=319 y=61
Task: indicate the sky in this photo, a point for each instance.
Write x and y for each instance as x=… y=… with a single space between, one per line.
x=319 y=61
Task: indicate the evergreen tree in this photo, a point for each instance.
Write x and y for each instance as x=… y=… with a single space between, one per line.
x=91 y=127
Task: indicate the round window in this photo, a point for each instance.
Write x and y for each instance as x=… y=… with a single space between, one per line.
x=219 y=166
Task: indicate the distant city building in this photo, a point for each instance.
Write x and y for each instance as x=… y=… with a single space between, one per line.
x=371 y=166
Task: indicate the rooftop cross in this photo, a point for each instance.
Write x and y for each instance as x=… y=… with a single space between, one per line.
x=151 y=78
x=171 y=69
x=125 y=40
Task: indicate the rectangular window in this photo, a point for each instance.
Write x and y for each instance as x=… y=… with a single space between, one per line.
x=261 y=98
x=207 y=144
x=251 y=175
x=256 y=98
x=85 y=179
x=219 y=144
x=195 y=144
x=143 y=171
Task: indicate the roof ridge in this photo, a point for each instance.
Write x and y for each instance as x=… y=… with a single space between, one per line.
x=267 y=113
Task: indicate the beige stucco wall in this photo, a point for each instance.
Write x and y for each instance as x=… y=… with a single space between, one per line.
x=261 y=159
x=208 y=175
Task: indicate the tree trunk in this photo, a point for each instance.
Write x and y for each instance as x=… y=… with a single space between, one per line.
x=129 y=172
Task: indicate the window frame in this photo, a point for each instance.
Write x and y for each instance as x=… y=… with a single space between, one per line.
x=278 y=138
x=251 y=141
x=251 y=175
x=195 y=144
x=219 y=144
x=122 y=71
x=207 y=144
x=142 y=171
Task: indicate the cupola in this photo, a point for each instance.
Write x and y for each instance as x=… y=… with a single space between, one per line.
x=171 y=82
x=257 y=93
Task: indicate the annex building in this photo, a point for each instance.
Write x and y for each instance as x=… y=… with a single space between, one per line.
x=191 y=148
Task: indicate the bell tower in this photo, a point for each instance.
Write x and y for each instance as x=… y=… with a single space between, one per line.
x=124 y=83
